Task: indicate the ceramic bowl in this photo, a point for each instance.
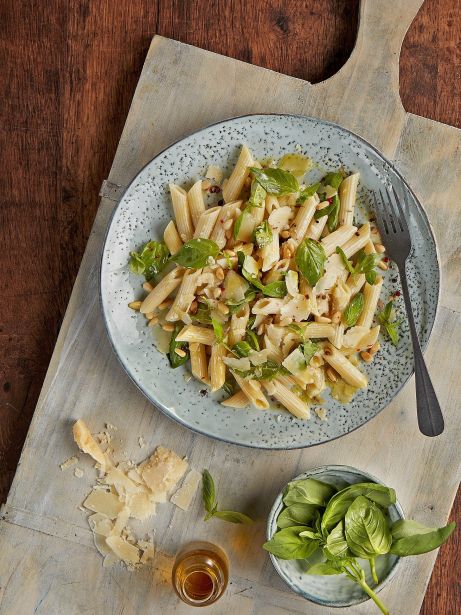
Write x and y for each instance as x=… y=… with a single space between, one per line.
x=336 y=590
x=145 y=209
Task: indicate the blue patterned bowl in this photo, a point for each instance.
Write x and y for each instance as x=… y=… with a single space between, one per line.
x=145 y=209
x=337 y=590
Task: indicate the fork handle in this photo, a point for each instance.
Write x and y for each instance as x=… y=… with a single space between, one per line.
x=430 y=418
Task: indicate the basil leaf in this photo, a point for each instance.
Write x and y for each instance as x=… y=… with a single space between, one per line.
x=257 y=195
x=194 y=254
x=386 y=318
x=333 y=180
x=353 y=310
x=310 y=260
x=218 y=330
x=174 y=358
x=336 y=542
x=340 y=502
x=413 y=538
x=366 y=264
x=266 y=371
x=333 y=216
x=309 y=349
x=296 y=514
x=306 y=193
x=232 y=516
x=240 y=259
x=310 y=534
x=228 y=388
x=287 y=544
x=208 y=493
x=308 y=491
x=275 y=289
x=263 y=234
x=242 y=349
x=202 y=315
x=347 y=263
x=296 y=329
x=324 y=569
x=367 y=531
x=150 y=260
x=252 y=339
x=325 y=211
x=235 y=307
x=276 y=181
x=238 y=224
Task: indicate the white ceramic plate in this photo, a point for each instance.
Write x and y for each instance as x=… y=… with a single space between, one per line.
x=142 y=214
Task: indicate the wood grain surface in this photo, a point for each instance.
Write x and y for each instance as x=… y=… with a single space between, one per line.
x=69 y=72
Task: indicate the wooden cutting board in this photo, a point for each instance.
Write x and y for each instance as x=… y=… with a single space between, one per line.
x=48 y=563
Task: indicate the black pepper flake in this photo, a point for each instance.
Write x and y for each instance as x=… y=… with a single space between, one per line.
x=203 y=392
x=221 y=202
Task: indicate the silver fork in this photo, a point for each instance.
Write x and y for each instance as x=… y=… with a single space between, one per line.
x=396 y=237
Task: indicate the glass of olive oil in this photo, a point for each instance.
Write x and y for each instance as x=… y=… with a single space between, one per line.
x=200 y=573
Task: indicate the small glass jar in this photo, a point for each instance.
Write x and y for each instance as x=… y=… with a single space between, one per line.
x=200 y=573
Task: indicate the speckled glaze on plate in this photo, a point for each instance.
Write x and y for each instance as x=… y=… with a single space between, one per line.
x=338 y=590
x=144 y=211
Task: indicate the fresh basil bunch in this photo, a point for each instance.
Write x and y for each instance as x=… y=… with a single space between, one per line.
x=339 y=527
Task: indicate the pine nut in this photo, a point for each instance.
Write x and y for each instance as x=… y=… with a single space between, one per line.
x=149 y=315
x=331 y=375
x=336 y=318
x=366 y=356
x=152 y=322
x=322 y=319
x=285 y=234
x=168 y=326
x=148 y=286
x=220 y=273
x=165 y=304
x=247 y=181
x=180 y=352
x=216 y=292
x=261 y=328
x=222 y=307
x=374 y=349
x=206 y=184
x=228 y=224
x=383 y=266
x=135 y=305
x=193 y=307
x=380 y=248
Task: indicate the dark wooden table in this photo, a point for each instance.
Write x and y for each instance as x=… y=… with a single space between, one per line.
x=69 y=69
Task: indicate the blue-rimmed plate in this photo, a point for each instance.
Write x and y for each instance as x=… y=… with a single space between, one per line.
x=143 y=212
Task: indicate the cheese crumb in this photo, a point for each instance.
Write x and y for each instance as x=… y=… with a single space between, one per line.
x=79 y=473
x=68 y=463
x=321 y=413
x=141 y=442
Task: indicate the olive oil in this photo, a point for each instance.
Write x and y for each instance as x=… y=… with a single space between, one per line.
x=200 y=573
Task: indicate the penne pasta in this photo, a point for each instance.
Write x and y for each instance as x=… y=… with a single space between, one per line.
x=196 y=202
x=371 y=296
x=303 y=219
x=206 y=223
x=318 y=330
x=238 y=400
x=337 y=238
x=234 y=184
x=181 y=212
x=162 y=291
x=355 y=282
x=316 y=227
x=228 y=212
x=200 y=335
x=253 y=391
x=270 y=254
x=198 y=360
x=171 y=238
x=185 y=295
x=344 y=367
x=238 y=325
x=287 y=398
x=216 y=366
x=358 y=241
x=347 y=193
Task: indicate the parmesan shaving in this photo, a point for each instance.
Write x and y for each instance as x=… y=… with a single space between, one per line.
x=162 y=472
x=68 y=463
x=102 y=502
x=123 y=549
x=186 y=493
x=88 y=444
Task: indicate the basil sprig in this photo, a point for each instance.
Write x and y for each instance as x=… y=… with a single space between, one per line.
x=310 y=259
x=174 y=358
x=353 y=310
x=150 y=260
x=330 y=530
x=365 y=263
x=387 y=319
x=211 y=506
x=263 y=234
x=194 y=254
x=307 y=192
x=274 y=289
x=276 y=181
x=266 y=371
